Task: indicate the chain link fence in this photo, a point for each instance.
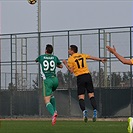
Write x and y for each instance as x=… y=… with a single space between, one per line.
x=20 y=80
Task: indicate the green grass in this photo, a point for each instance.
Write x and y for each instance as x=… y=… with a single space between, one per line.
x=19 y=126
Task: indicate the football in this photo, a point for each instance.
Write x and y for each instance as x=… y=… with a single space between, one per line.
x=32 y=2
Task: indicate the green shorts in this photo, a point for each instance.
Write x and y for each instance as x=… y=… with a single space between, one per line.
x=49 y=85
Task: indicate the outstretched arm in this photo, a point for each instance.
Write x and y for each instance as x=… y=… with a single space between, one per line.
x=118 y=56
x=98 y=59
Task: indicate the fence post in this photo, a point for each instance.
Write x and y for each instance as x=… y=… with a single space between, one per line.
x=39 y=77
x=131 y=56
x=69 y=88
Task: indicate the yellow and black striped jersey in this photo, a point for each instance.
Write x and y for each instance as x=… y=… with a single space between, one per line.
x=78 y=62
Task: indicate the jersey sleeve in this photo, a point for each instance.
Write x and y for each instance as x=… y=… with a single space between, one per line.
x=87 y=56
x=38 y=59
x=58 y=61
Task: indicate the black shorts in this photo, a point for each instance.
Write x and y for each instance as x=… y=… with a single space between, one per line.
x=84 y=83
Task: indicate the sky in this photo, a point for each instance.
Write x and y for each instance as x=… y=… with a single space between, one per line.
x=18 y=16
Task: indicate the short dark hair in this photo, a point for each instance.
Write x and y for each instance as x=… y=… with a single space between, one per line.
x=74 y=48
x=49 y=48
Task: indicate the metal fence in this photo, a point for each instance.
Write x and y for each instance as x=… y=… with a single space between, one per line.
x=20 y=82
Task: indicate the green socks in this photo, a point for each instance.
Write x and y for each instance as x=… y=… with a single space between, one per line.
x=50 y=108
x=52 y=101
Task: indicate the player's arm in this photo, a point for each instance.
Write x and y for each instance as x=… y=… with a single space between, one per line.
x=36 y=60
x=118 y=56
x=98 y=59
x=69 y=68
x=59 y=63
x=60 y=66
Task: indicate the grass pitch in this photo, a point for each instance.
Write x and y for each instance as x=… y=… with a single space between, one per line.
x=62 y=126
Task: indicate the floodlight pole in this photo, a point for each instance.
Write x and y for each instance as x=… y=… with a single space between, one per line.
x=39 y=15
x=39 y=53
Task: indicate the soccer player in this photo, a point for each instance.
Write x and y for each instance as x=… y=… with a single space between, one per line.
x=77 y=64
x=128 y=62
x=48 y=64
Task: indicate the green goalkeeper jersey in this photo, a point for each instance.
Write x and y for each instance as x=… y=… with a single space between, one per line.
x=48 y=64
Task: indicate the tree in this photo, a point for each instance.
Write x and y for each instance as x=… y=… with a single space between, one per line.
x=115 y=79
x=70 y=80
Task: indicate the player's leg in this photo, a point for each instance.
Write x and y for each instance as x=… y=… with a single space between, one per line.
x=47 y=92
x=49 y=106
x=130 y=124
x=82 y=107
x=81 y=96
x=54 y=87
x=52 y=100
x=90 y=91
x=93 y=103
